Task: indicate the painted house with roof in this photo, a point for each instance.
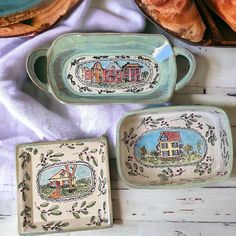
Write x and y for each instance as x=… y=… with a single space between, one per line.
x=132 y=72
x=169 y=144
x=112 y=73
x=61 y=179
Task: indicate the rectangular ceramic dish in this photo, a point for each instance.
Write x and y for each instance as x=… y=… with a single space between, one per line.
x=63 y=186
x=114 y=68
x=174 y=146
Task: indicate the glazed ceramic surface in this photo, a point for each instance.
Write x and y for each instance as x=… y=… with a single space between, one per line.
x=15 y=6
x=174 y=146
x=63 y=186
x=90 y=68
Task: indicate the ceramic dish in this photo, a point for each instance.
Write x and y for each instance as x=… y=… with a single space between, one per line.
x=218 y=33
x=63 y=186
x=174 y=146
x=101 y=68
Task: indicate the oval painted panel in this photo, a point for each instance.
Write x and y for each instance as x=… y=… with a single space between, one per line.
x=66 y=181
x=112 y=74
x=170 y=147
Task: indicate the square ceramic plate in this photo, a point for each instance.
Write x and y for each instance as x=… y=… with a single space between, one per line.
x=174 y=146
x=63 y=186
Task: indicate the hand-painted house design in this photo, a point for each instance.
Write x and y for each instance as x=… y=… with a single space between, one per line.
x=132 y=72
x=112 y=73
x=62 y=179
x=169 y=144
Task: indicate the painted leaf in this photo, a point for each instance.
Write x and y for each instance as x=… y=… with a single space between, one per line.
x=85 y=212
x=76 y=215
x=80 y=144
x=128 y=165
x=101 y=173
x=135 y=166
x=131 y=130
x=93 y=151
x=55 y=207
x=92 y=219
x=32 y=226
x=104 y=206
x=209 y=171
x=30 y=149
x=54 y=159
x=28 y=158
x=20 y=185
x=83 y=204
x=50 y=224
x=141 y=169
x=24 y=223
x=44 y=204
x=41 y=157
x=27 y=176
x=133 y=136
x=95 y=162
x=125 y=135
x=35 y=151
x=75 y=205
x=22 y=213
x=24 y=196
x=23 y=164
x=49 y=152
x=58 y=155
x=56 y=212
x=26 y=186
x=65 y=224
x=161 y=176
x=170 y=170
x=43 y=216
x=91 y=204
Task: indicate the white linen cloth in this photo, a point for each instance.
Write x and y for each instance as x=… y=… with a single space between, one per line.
x=28 y=114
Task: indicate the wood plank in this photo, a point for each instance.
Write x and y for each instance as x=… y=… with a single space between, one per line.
x=127 y=228
x=196 y=204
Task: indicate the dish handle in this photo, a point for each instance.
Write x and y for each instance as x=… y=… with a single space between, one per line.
x=192 y=66
x=38 y=56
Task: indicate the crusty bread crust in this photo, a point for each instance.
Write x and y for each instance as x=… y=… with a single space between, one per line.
x=226 y=9
x=178 y=16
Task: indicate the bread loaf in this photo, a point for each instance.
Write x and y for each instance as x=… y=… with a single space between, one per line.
x=226 y=9
x=179 y=16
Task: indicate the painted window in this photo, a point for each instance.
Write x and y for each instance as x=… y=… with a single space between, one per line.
x=175 y=145
x=164 y=145
x=175 y=153
x=166 y=153
x=163 y=138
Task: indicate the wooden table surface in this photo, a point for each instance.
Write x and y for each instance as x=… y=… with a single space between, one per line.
x=202 y=211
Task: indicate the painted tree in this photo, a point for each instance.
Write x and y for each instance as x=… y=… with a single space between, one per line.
x=145 y=74
x=71 y=175
x=199 y=146
x=187 y=148
x=143 y=151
